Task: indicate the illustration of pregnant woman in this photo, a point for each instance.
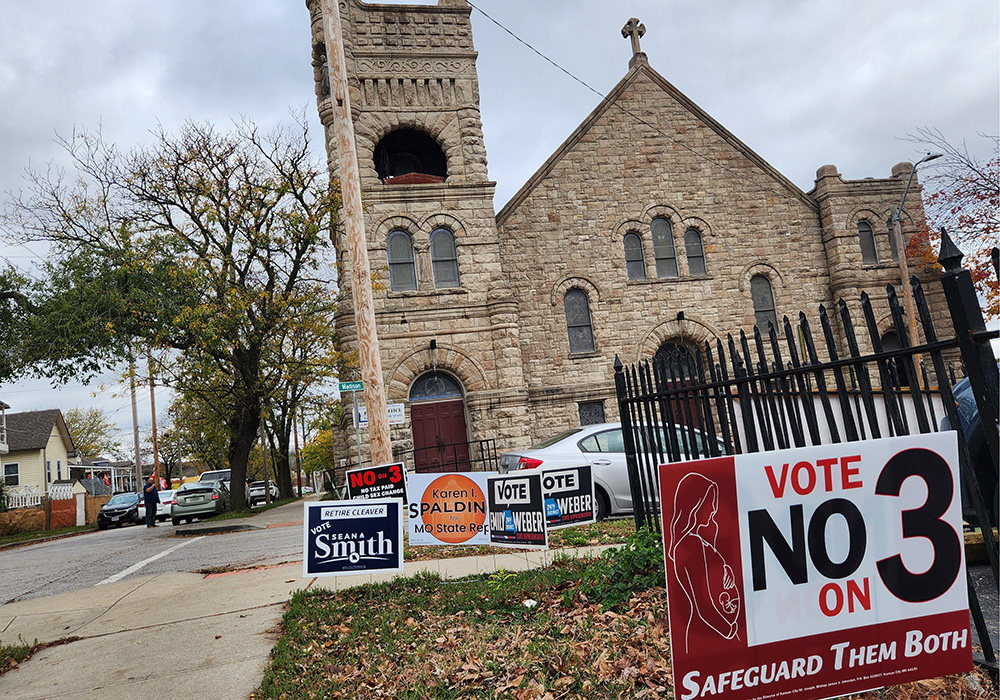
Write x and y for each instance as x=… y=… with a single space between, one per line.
x=707 y=580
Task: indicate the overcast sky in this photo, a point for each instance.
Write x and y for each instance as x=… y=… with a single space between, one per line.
x=803 y=83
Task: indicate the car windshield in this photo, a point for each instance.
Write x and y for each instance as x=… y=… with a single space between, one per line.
x=121 y=499
x=166 y=495
x=257 y=485
x=221 y=475
x=556 y=438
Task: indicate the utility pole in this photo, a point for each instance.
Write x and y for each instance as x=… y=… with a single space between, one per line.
x=298 y=458
x=135 y=418
x=904 y=270
x=361 y=286
x=152 y=409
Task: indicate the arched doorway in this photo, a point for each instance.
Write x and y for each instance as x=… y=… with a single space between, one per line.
x=675 y=367
x=437 y=418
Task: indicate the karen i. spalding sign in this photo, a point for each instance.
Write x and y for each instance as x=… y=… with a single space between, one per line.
x=352 y=537
x=816 y=572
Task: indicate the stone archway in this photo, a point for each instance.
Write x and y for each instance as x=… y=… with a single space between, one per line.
x=437 y=421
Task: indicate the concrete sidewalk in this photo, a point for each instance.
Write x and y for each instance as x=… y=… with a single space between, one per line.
x=181 y=634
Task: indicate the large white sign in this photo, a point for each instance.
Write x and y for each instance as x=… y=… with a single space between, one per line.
x=817 y=571
x=395 y=412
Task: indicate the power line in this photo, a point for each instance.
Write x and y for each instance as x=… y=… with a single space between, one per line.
x=638 y=118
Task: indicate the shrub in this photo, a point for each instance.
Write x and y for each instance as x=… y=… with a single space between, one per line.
x=626 y=570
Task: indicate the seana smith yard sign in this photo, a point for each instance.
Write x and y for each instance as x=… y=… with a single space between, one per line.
x=816 y=572
x=352 y=537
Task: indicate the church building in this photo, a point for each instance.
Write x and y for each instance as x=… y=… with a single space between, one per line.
x=650 y=230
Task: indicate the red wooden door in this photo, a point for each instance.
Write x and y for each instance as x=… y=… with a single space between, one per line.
x=440 y=440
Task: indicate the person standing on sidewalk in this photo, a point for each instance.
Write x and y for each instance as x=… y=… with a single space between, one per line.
x=152 y=498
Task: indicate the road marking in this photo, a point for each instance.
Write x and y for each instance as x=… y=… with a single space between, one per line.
x=135 y=567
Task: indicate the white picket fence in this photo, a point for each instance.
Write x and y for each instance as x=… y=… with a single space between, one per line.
x=24 y=496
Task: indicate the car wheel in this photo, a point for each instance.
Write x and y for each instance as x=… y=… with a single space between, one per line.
x=603 y=505
x=102 y=526
x=118 y=524
x=175 y=521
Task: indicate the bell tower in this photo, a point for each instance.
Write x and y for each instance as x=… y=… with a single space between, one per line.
x=446 y=320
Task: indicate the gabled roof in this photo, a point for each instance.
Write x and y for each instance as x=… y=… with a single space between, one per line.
x=30 y=430
x=642 y=68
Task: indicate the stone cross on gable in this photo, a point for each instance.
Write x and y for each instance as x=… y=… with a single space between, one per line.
x=634 y=29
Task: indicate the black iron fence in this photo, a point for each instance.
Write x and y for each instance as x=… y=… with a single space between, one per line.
x=786 y=389
x=476 y=455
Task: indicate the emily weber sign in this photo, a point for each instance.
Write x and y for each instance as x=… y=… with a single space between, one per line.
x=816 y=572
x=352 y=537
x=517 y=511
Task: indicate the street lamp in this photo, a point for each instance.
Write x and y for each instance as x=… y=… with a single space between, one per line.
x=897 y=236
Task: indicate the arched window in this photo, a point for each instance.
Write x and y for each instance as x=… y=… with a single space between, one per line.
x=695 y=252
x=408 y=152
x=434 y=386
x=402 y=274
x=444 y=259
x=634 y=263
x=663 y=247
x=866 y=237
x=763 y=303
x=581 y=333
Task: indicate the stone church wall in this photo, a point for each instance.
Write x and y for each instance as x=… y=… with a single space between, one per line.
x=646 y=152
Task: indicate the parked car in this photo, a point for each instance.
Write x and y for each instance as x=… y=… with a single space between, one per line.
x=225 y=476
x=258 y=495
x=603 y=447
x=198 y=499
x=120 y=509
x=979 y=454
x=163 y=510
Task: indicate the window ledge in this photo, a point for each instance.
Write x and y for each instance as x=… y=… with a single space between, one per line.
x=670 y=280
x=584 y=355
x=444 y=291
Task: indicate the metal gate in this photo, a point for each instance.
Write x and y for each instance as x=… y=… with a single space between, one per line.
x=774 y=391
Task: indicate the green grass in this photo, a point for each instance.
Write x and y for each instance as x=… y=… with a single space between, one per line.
x=596 y=534
x=502 y=635
x=13 y=654
x=578 y=629
x=42 y=534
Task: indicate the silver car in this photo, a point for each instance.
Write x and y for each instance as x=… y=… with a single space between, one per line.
x=603 y=447
x=198 y=499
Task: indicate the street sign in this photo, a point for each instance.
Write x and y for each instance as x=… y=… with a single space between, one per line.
x=351 y=386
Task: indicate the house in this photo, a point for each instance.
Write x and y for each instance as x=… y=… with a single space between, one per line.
x=650 y=231
x=3 y=428
x=39 y=451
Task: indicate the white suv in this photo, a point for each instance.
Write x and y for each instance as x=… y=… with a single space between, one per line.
x=258 y=495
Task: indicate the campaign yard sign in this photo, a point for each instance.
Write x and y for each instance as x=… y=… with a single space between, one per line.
x=569 y=496
x=448 y=509
x=385 y=481
x=352 y=537
x=517 y=511
x=816 y=572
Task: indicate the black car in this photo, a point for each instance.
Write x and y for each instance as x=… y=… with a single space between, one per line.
x=979 y=453
x=120 y=509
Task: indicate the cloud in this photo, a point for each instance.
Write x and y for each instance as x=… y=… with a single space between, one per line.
x=802 y=83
